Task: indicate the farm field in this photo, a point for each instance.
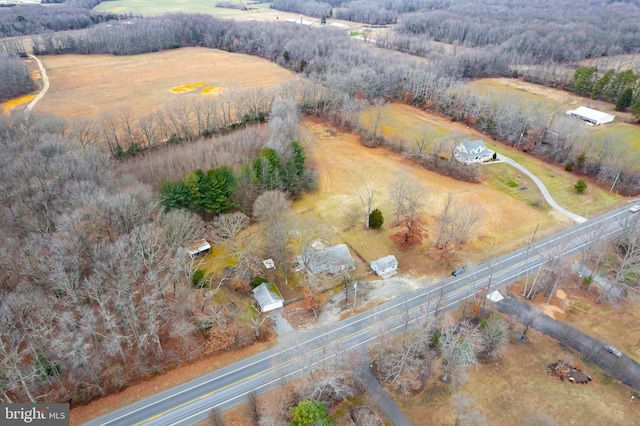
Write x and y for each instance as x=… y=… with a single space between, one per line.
x=90 y=85
x=260 y=12
x=408 y=123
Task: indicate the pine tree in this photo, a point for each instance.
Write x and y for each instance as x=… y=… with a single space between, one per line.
x=375 y=219
x=624 y=100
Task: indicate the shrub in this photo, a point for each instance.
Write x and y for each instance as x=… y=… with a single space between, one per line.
x=569 y=166
x=581 y=186
x=256 y=281
x=198 y=278
x=375 y=219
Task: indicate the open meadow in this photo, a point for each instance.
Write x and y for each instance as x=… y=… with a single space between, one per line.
x=255 y=12
x=90 y=85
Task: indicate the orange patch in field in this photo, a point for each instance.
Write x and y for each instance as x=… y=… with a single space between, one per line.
x=13 y=103
x=187 y=87
x=215 y=90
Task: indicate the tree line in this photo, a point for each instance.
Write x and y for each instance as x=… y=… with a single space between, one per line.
x=35 y=19
x=620 y=87
x=213 y=192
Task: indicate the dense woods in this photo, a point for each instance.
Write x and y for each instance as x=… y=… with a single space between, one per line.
x=34 y=19
x=16 y=79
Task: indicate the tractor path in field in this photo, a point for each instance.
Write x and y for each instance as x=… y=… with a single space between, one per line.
x=545 y=193
x=45 y=85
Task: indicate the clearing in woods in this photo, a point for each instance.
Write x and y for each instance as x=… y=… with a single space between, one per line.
x=90 y=85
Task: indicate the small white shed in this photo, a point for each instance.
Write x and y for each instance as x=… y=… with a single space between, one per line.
x=386 y=266
x=268 y=297
x=200 y=246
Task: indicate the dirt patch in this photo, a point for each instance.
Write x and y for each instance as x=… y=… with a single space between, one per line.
x=90 y=85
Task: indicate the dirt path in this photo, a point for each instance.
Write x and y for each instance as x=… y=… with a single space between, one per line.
x=45 y=85
x=622 y=368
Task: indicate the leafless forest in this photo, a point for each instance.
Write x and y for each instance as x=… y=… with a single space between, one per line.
x=95 y=291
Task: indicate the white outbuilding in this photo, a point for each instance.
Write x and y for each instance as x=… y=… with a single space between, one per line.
x=386 y=266
x=591 y=116
x=268 y=297
x=198 y=247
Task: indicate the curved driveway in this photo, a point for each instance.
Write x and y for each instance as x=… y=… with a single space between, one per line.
x=45 y=86
x=543 y=189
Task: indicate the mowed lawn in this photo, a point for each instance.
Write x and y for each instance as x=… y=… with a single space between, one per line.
x=91 y=85
x=409 y=123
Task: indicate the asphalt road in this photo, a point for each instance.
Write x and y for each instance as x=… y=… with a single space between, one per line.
x=189 y=403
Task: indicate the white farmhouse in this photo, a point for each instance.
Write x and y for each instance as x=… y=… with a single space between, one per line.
x=468 y=152
x=591 y=116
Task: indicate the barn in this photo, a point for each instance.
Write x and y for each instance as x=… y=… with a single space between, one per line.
x=591 y=116
x=386 y=266
x=268 y=297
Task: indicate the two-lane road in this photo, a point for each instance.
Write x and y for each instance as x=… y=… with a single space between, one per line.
x=189 y=403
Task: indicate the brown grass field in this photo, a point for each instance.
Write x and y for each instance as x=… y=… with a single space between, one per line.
x=344 y=166
x=88 y=86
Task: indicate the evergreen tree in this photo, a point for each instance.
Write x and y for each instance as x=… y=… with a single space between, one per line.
x=375 y=219
x=308 y=413
x=582 y=81
x=175 y=195
x=635 y=109
x=580 y=186
x=622 y=81
x=624 y=100
x=602 y=84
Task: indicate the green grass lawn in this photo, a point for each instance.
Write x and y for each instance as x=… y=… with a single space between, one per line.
x=621 y=133
x=158 y=7
x=560 y=184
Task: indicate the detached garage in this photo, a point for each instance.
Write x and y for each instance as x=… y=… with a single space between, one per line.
x=268 y=297
x=591 y=116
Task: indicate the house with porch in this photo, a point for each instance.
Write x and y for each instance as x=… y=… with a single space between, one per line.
x=469 y=152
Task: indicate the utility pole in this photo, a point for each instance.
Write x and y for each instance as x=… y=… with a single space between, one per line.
x=614 y=182
x=355 y=294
